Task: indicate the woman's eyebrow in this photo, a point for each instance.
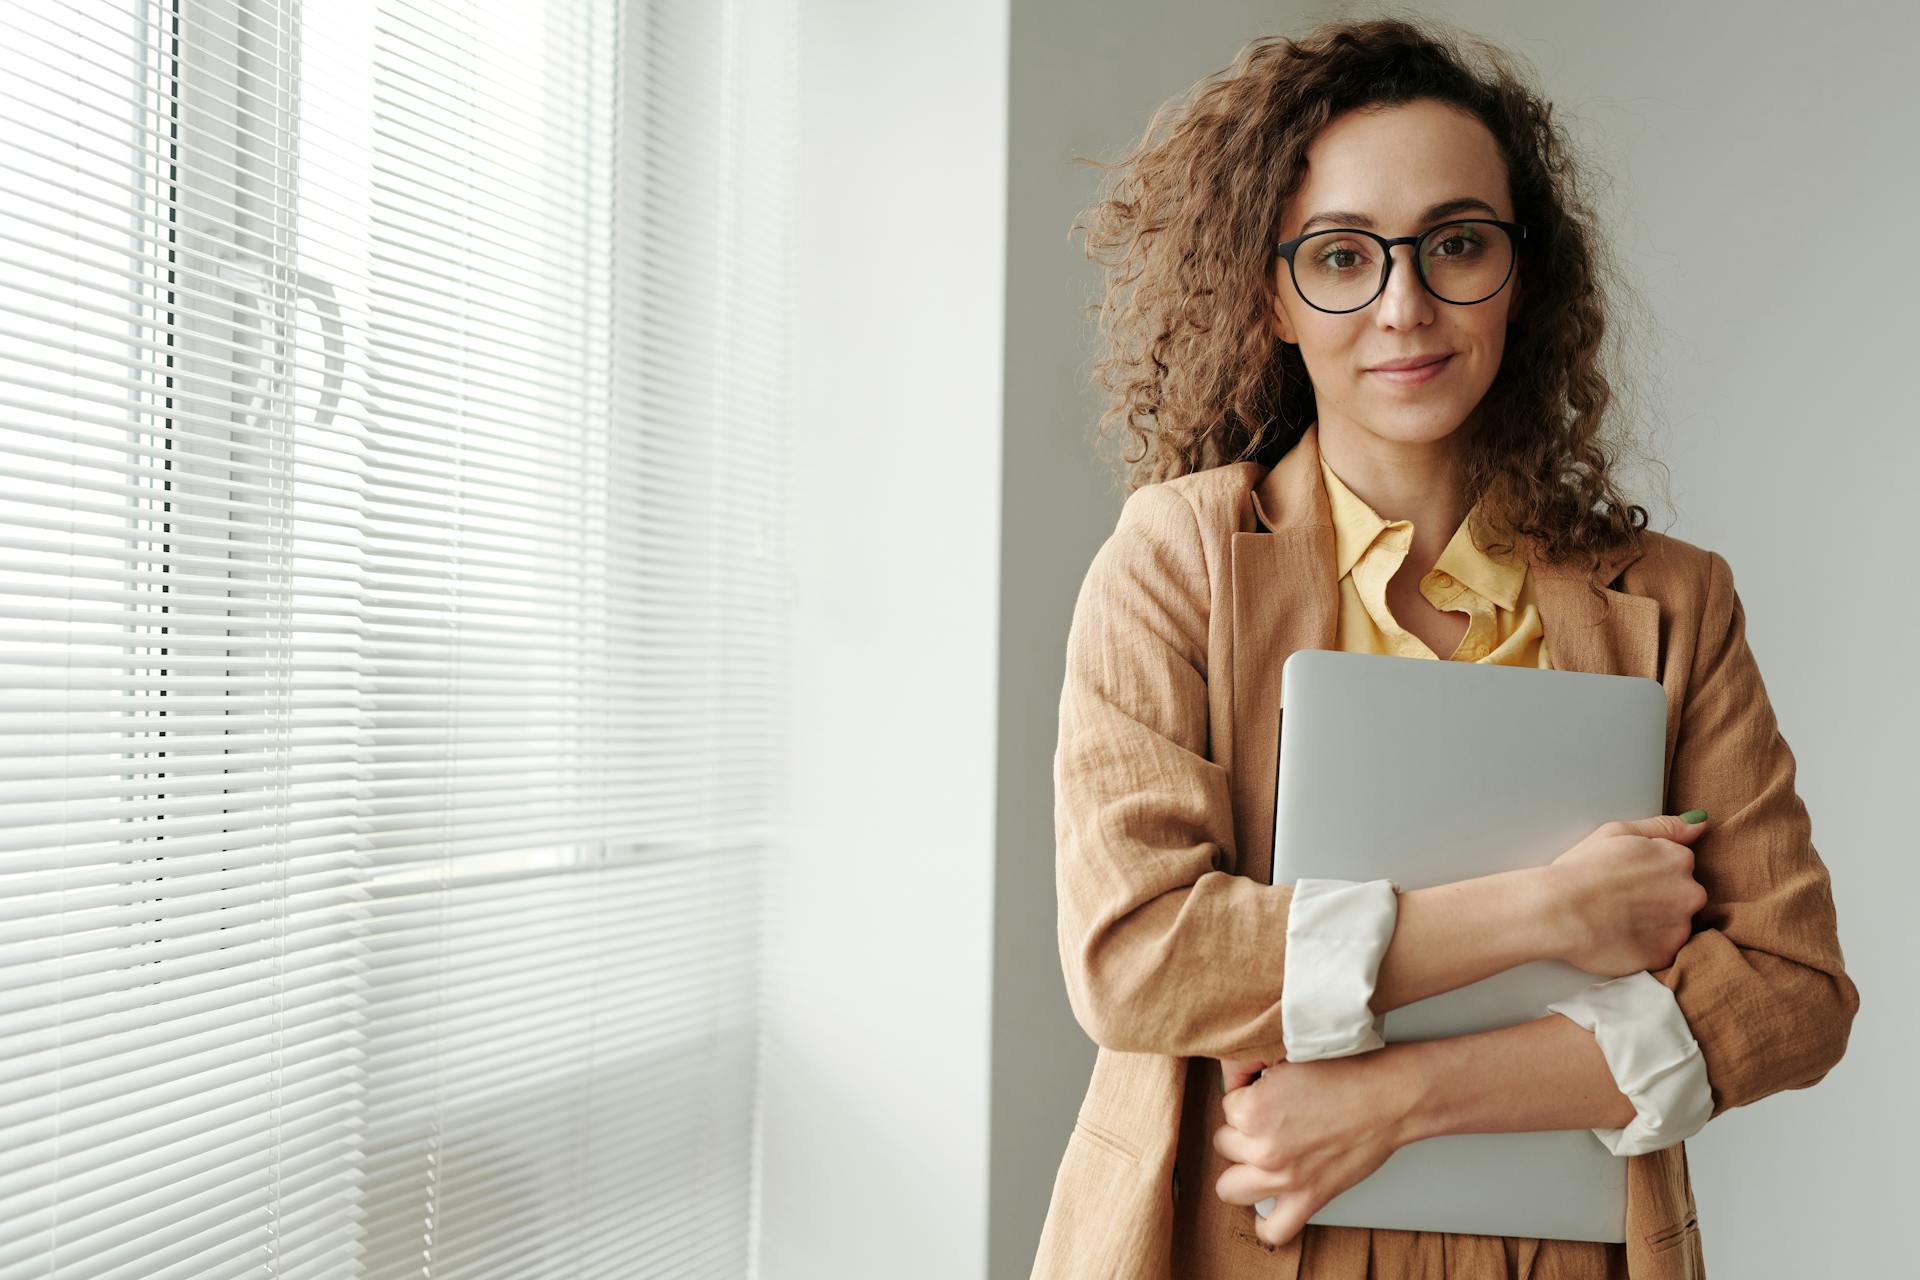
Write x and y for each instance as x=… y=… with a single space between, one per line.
x=1446 y=208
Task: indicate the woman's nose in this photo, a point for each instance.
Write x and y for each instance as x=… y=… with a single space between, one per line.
x=1406 y=302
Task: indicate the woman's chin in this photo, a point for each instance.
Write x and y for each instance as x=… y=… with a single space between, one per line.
x=1414 y=423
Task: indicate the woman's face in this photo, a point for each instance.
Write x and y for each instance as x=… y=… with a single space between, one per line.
x=1386 y=170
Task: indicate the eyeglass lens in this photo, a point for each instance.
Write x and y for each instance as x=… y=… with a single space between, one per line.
x=1462 y=262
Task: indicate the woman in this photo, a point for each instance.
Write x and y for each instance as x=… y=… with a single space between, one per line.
x=1393 y=445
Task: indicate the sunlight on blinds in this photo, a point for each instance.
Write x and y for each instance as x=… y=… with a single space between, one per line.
x=390 y=617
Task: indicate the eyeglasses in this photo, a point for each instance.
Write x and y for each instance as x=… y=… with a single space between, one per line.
x=1461 y=262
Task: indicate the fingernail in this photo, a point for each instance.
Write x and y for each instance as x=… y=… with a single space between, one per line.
x=1694 y=815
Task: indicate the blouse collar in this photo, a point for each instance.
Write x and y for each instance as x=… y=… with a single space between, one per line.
x=1357 y=527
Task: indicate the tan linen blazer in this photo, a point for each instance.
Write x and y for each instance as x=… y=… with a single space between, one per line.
x=1173 y=942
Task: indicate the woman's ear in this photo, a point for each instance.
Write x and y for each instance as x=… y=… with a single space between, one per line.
x=1276 y=313
x=1277 y=319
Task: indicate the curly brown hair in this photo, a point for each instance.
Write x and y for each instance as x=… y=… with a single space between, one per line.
x=1185 y=225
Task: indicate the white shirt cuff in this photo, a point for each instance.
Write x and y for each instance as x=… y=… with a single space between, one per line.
x=1337 y=933
x=1653 y=1056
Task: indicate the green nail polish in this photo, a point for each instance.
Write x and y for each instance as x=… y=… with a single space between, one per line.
x=1694 y=815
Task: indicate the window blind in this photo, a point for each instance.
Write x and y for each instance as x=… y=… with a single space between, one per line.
x=390 y=596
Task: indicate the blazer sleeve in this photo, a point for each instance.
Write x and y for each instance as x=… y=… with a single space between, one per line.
x=1163 y=952
x=1762 y=981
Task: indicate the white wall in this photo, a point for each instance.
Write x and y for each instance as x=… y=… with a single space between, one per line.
x=877 y=983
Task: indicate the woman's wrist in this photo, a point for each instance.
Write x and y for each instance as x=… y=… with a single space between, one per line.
x=1452 y=935
x=1408 y=1098
x=1546 y=918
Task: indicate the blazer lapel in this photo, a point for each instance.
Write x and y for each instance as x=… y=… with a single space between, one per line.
x=1285 y=598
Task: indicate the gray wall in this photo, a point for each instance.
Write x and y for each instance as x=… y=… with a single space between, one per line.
x=1729 y=136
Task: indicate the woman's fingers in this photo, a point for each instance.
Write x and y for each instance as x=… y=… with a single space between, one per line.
x=1236 y=1072
x=1244 y=1184
x=1249 y=1184
x=1303 y=1134
x=1237 y=1147
x=1288 y=1219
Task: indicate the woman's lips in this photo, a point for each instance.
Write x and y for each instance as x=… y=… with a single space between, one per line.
x=1413 y=377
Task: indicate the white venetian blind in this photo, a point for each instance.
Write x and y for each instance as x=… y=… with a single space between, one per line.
x=390 y=442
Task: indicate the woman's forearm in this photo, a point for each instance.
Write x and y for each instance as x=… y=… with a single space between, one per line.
x=1450 y=935
x=1545 y=1074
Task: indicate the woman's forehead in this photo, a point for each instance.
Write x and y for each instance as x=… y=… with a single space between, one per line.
x=1394 y=163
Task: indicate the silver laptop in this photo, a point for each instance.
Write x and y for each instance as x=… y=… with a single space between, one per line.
x=1426 y=772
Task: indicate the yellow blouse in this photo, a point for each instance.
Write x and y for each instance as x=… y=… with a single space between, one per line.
x=1494 y=590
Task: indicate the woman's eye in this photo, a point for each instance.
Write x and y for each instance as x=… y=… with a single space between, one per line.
x=1456 y=245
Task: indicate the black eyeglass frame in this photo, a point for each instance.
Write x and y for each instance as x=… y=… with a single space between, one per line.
x=1285 y=249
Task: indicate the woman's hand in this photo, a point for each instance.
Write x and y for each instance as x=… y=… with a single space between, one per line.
x=1235 y=1072
x=1306 y=1131
x=1626 y=895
